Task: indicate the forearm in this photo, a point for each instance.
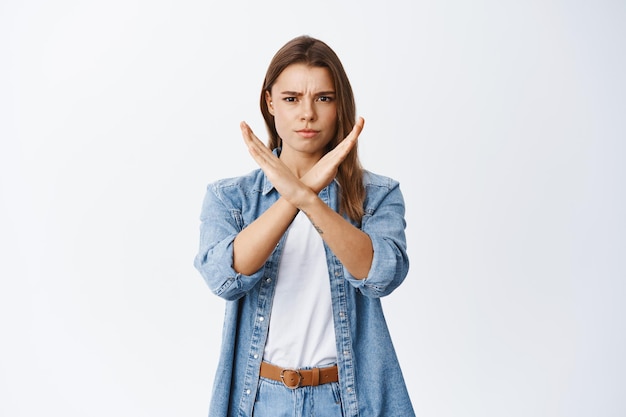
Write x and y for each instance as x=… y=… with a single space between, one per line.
x=254 y=244
x=350 y=245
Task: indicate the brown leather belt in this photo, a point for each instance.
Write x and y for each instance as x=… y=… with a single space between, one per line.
x=294 y=378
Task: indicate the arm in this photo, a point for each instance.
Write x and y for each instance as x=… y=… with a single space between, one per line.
x=385 y=224
x=351 y=246
x=254 y=244
x=221 y=221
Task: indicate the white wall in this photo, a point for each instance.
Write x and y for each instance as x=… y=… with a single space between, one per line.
x=504 y=122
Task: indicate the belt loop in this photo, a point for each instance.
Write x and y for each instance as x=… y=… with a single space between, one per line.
x=315 y=381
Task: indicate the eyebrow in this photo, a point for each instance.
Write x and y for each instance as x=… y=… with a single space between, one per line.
x=320 y=93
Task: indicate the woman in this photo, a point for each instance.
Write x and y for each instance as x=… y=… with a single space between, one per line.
x=302 y=249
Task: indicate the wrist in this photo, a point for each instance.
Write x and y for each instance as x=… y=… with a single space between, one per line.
x=308 y=201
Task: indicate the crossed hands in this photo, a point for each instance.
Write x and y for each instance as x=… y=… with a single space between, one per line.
x=289 y=186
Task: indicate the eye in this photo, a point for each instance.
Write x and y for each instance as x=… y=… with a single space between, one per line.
x=290 y=99
x=325 y=99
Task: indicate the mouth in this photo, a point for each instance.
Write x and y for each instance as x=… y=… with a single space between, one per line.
x=307 y=133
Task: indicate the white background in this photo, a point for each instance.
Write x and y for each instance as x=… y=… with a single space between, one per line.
x=504 y=122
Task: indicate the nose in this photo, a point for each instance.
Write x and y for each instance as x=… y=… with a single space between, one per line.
x=308 y=110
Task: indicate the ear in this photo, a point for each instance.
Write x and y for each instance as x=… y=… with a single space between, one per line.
x=268 y=101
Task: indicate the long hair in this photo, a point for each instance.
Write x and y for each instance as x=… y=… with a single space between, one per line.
x=315 y=53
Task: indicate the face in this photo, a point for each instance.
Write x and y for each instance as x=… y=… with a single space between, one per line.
x=303 y=103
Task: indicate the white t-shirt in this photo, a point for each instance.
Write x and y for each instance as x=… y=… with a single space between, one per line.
x=301 y=330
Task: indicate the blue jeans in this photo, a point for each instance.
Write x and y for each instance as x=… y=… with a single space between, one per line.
x=273 y=399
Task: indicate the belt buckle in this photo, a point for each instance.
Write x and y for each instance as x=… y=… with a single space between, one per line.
x=282 y=377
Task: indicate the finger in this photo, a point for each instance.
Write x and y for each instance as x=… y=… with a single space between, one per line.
x=357 y=129
x=254 y=145
x=248 y=136
x=261 y=154
x=346 y=145
x=349 y=141
x=252 y=141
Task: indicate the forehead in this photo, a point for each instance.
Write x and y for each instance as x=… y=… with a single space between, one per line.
x=302 y=77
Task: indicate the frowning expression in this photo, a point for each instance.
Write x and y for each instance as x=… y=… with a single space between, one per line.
x=303 y=103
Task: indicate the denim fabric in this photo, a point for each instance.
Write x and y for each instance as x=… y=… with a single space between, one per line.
x=273 y=399
x=370 y=379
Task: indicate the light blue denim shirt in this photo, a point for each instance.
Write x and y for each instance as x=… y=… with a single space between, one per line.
x=371 y=382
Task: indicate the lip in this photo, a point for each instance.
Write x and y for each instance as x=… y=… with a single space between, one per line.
x=307 y=133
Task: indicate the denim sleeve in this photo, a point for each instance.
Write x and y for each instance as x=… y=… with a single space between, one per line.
x=385 y=224
x=221 y=221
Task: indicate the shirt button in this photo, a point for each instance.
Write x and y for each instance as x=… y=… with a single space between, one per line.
x=345 y=352
x=256 y=356
x=261 y=318
x=337 y=273
x=349 y=390
x=268 y=280
x=341 y=314
x=248 y=391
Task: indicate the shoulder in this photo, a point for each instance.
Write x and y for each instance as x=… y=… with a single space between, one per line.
x=371 y=179
x=383 y=195
x=236 y=192
x=245 y=183
x=381 y=191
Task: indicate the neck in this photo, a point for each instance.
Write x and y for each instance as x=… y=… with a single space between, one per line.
x=299 y=163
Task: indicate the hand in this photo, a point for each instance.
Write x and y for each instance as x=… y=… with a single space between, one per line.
x=325 y=170
x=281 y=177
x=285 y=181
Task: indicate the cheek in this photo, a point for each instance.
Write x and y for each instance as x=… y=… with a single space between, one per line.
x=281 y=123
x=332 y=118
x=280 y=117
x=328 y=113
x=281 y=114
